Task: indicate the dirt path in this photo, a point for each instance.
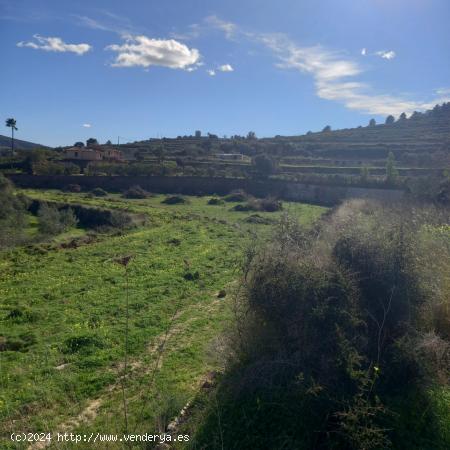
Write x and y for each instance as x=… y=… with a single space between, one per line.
x=135 y=367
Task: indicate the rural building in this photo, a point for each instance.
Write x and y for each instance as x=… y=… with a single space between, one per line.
x=92 y=154
x=83 y=156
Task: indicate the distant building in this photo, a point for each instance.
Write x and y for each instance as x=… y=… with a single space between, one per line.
x=198 y=134
x=96 y=153
x=82 y=154
x=231 y=156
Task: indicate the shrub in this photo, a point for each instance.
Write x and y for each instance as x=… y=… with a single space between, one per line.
x=236 y=196
x=12 y=215
x=337 y=339
x=267 y=204
x=257 y=219
x=119 y=219
x=21 y=315
x=99 y=192
x=244 y=208
x=135 y=192
x=270 y=204
x=191 y=276
x=264 y=165
x=49 y=219
x=67 y=218
x=73 y=188
x=17 y=344
x=215 y=201
x=174 y=200
x=53 y=221
x=85 y=343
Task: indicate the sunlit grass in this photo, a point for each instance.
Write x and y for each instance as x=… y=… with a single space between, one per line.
x=77 y=295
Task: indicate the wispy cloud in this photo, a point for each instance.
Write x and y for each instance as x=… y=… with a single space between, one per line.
x=108 y=21
x=211 y=72
x=336 y=76
x=54 y=44
x=194 y=31
x=225 y=68
x=229 y=28
x=386 y=54
x=444 y=92
x=94 y=24
x=144 y=51
x=87 y=125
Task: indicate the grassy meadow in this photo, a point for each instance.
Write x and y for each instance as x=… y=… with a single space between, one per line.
x=64 y=314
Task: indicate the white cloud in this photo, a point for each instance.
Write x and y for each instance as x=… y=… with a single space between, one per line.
x=364 y=51
x=144 y=51
x=386 y=54
x=87 y=125
x=211 y=72
x=55 y=44
x=225 y=68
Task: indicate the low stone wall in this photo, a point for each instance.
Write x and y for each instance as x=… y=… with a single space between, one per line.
x=318 y=194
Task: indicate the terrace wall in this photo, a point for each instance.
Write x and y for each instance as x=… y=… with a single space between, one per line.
x=318 y=194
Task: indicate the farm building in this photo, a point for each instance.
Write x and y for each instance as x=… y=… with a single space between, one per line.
x=92 y=154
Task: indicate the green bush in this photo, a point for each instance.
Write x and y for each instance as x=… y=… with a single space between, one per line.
x=21 y=343
x=12 y=215
x=53 y=221
x=49 y=220
x=174 y=200
x=82 y=343
x=337 y=341
x=73 y=188
x=236 y=196
x=245 y=207
x=268 y=204
x=99 y=192
x=136 y=192
x=215 y=201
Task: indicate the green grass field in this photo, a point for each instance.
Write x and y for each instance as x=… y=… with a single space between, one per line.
x=65 y=311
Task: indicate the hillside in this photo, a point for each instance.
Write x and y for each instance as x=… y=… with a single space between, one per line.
x=5 y=144
x=421 y=141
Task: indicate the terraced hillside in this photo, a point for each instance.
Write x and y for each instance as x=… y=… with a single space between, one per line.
x=423 y=140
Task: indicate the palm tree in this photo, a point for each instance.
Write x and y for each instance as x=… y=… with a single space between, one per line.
x=11 y=123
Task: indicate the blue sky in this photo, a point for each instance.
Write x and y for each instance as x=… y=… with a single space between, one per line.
x=139 y=69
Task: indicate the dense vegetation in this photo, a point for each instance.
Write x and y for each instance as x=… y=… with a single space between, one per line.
x=12 y=215
x=341 y=338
